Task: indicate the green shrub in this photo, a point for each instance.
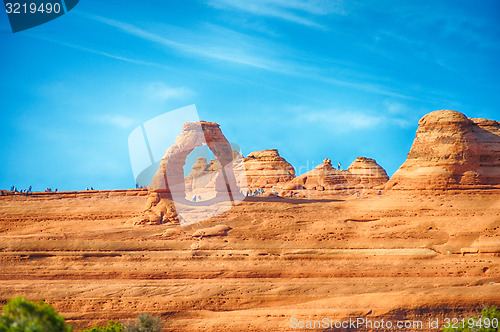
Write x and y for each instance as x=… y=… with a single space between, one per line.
x=20 y=315
x=145 y=323
x=111 y=327
x=488 y=322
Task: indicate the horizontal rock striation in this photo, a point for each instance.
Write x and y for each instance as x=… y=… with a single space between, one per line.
x=266 y=168
x=451 y=151
x=369 y=173
x=363 y=173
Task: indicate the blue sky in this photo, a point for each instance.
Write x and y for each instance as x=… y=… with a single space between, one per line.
x=314 y=79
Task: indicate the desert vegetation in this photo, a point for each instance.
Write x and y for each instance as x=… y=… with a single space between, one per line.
x=21 y=315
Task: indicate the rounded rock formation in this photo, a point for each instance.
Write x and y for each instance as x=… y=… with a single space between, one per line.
x=322 y=177
x=451 y=151
x=266 y=168
x=368 y=171
x=364 y=173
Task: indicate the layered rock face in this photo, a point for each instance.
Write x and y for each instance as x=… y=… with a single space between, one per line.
x=363 y=173
x=451 y=151
x=322 y=177
x=266 y=168
x=157 y=211
x=258 y=265
x=200 y=176
x=368 y=171
x=204 y=175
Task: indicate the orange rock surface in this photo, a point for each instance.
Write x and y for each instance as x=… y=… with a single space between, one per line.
x=369 y=173
x=451 y=151
x=203 y=177
x=322 y=177
x=402 y=255
x=266 y=168
x=431 y=251
x=363 y=173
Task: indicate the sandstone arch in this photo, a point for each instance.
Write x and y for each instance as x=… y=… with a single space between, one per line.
x=169 y=178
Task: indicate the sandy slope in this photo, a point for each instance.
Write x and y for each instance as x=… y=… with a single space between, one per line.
x=399 y=255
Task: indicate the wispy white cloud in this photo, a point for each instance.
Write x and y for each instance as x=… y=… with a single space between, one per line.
x=302 y=12
x=102 y=53
x=477 y=30
x=244 y=50
x=238 y=52
x=220 y=51
x=395 y=107
x=348 y=121
x=116 y=120
x=365 y=86
x=159 y=91
x=258 y=26
x=135 y=31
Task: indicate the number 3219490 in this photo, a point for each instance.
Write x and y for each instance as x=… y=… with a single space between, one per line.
x=32 y=8
x=471 y=323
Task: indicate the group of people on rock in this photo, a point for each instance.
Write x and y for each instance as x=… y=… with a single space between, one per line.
x=26 y=192
x=14 y=189
x=261 y=191
x=29 y=190
x=196 y=198
x=256 y=192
